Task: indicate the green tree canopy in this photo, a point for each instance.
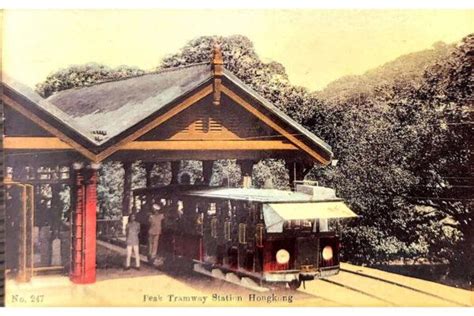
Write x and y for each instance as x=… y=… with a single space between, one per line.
x=83 y=75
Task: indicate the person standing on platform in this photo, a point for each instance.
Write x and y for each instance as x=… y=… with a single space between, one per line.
x=154 y=232
x=132 y=229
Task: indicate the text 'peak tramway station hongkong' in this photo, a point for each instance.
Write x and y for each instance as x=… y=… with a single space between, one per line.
x=200 y=112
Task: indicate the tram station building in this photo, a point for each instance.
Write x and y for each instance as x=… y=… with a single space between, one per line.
x=199 y=112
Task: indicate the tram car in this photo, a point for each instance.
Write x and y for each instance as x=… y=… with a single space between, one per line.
x=252 y=237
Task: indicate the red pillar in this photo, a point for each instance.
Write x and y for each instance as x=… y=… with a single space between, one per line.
x=83 y=257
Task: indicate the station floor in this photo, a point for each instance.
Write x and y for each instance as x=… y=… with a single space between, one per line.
x=150 y=287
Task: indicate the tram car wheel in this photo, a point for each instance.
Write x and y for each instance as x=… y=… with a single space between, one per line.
x=294 y=285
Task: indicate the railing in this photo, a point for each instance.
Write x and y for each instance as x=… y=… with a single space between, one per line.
x=109 y=228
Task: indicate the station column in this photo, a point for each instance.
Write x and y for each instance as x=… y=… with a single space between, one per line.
x=127 y=188
x=297 y=171
x=148 y=184
x=207 y=166
x=84 y=213
x=246 y=167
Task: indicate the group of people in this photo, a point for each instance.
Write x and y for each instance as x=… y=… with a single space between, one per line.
x=132 y=236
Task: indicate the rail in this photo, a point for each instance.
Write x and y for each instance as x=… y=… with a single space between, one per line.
x=402 y=286
x=109 y=228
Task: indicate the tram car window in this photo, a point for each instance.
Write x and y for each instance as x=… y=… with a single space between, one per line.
x=323 y=225
x=259 y=235
x=200 y=224
x=227 y=230
x=242 y=233
x=212 y=209
x=265 y=235
x=214 y=227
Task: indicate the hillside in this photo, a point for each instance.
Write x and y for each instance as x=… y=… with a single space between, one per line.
x=407 y=68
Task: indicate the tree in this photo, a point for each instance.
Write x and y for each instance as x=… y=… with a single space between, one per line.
x=110 y=190
x=268 y=79
x=83 y=75
x=448 y=184
x=373 y=174
x=400 y=146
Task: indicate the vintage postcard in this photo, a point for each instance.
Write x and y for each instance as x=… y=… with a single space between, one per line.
x=275 y=157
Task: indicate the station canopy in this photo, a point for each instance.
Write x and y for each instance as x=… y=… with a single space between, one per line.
x=199 y=112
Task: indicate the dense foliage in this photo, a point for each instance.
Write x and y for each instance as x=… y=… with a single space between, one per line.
x=83 y=75
x=402 y=147
x=401 y=134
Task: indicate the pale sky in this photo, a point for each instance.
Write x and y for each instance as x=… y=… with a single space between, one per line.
x=315 y=46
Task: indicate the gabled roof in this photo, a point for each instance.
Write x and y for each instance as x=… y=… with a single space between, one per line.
x=94 y=118
x=32 y=101
x=299 y=128
x=112 y=107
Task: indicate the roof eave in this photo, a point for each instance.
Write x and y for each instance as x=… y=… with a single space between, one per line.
x=37 y=107
x=280 y=114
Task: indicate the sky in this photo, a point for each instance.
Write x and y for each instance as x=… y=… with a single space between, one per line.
x=315 y=46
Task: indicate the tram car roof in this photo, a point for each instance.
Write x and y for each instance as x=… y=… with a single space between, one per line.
x=244 y=194
x=307 y=202
x=257 y=195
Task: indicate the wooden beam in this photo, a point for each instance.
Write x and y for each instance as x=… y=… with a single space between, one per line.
x=218 y=70
x=28 y=157
x=209 y=145
x=33 y=117
x=34 y=143
x=170 y=155
x=156 y=122
x=273 y=125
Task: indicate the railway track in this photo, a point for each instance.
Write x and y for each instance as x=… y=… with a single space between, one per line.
x=391 y=282
x=331 y=301
x=386 y=302
x=355 y=287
